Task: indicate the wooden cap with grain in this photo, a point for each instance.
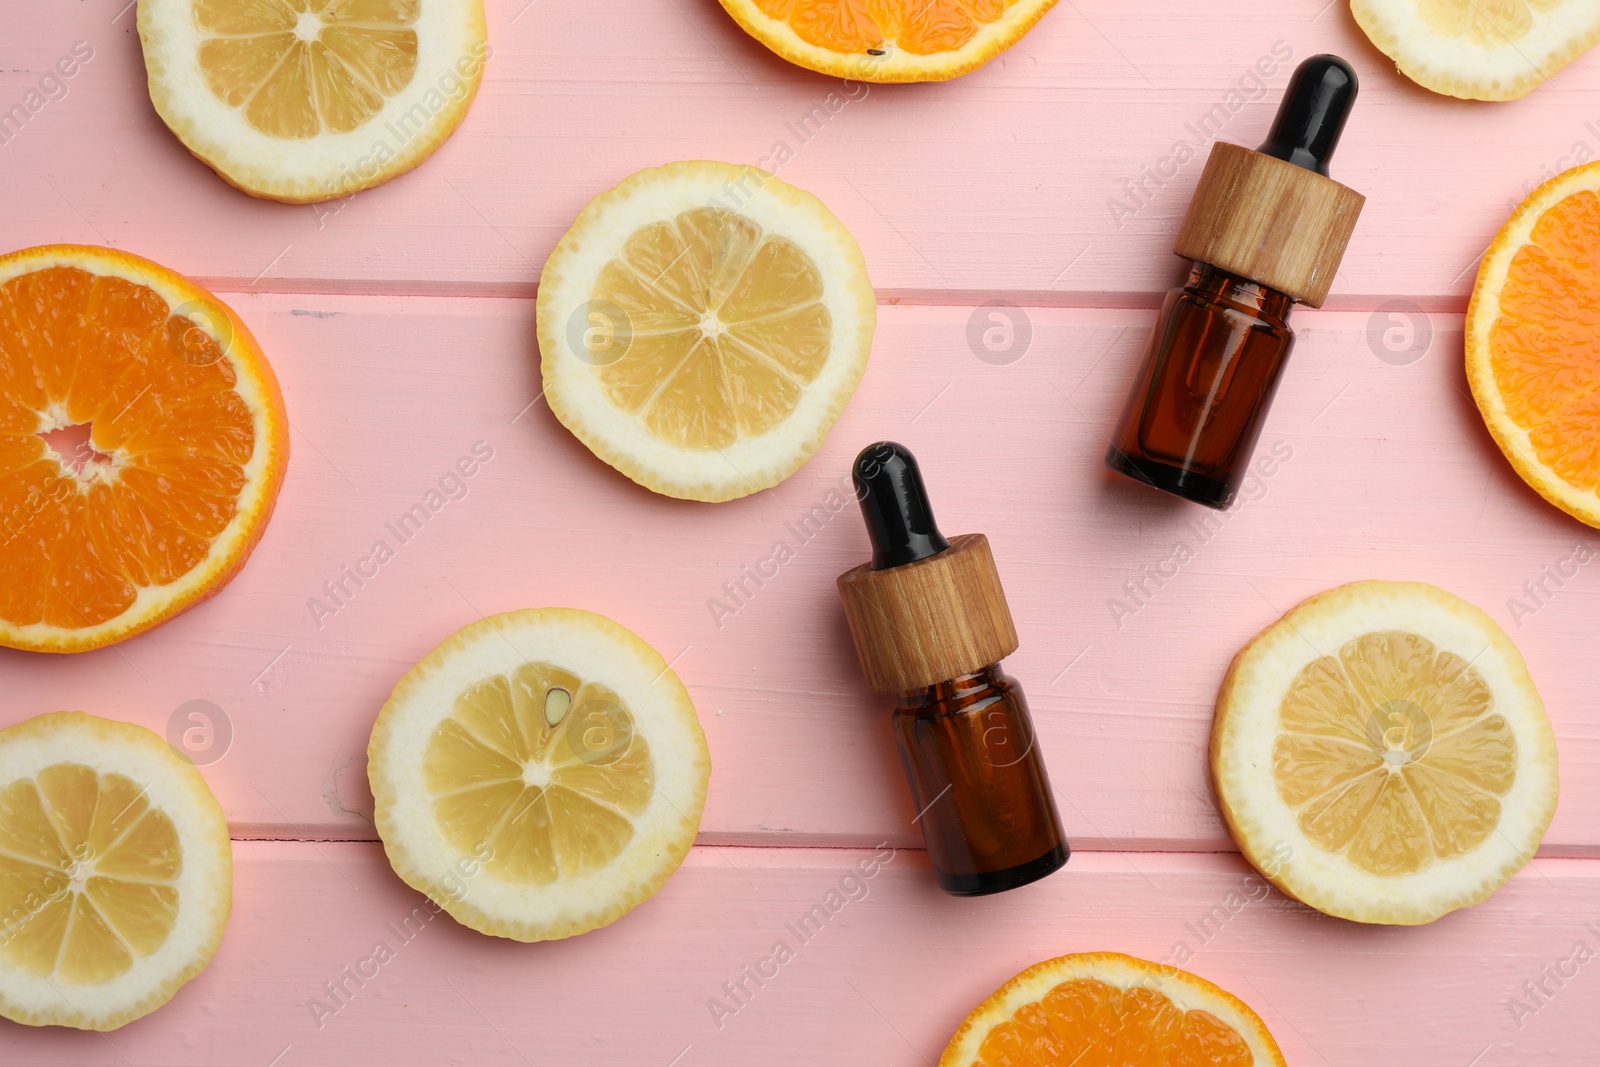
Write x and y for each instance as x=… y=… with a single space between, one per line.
x=929 y=621
x=1273 y=215
x=1268 y=220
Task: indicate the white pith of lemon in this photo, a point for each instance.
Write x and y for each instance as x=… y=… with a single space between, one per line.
x=311 y=100
x=702 y=326
x=1476 y=50
x=539 y=774
x=1380 y=753
x=116 y=872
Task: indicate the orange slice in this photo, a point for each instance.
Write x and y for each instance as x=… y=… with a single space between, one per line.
x=888 y=40
x=1104 y=1009
x=186 y=444
x=1533 y=341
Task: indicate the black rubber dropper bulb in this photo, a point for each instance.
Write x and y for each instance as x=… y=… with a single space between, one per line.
x=1266 y=230
x=931 y=626
x=1312 y=115
x=895 y=504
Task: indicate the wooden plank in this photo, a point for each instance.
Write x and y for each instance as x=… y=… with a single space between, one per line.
x=884 y=980
x=1390 y=474
x=1004 y=181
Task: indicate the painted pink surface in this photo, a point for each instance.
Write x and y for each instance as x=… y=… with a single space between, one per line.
x=403 y=334
x=1390 y=474
x=884 y=980
x=998 y=182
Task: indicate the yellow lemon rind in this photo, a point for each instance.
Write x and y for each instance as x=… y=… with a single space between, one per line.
x=579 y=401
x=596 y=649
x=1484 y=308
x=299 y=172
x=206 y=884
x=894 y=65
x=1467 y=71
x=1187 y=991
x=256 y=385
x=1246 y=726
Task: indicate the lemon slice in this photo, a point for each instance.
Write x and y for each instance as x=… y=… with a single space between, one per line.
x=1381 y=754
x=539 y=774
x=116 y=873
x=1479 y=50
x=309 y=100
x=702 y=326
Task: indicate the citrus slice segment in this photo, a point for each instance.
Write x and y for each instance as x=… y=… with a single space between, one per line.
x=159 y=501
x=116 y=872
x=1480 y=51
x=702 y=326
x=1093 y=1008
x=1533 y=341
x=539 y=774
x=309 y=100
x=1381 y=754
x=888 y=40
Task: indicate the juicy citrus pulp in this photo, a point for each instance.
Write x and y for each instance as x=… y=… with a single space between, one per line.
x=185 y=451
x=888 y=40
x=1533 y=341
x=307 y=100
x=299 y=67
x=1104 y=1009
x=702 y=325
x=539 y=774
x=543 y=767
x=1381 y=754
x=1389 y=754
x=115 y=872
x=1476 y=50
x=728 y=327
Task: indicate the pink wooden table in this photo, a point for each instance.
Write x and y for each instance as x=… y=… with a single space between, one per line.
x=401 y=325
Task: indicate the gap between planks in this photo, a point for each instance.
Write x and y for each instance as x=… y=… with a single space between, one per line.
x=1121 y=846
x=1085 y=300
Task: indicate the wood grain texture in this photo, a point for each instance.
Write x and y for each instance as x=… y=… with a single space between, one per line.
x=1366 y=469
x=929 y=621
x=884 y=978
x=1060 y=170
x=1054 y=179
x=1269 y=221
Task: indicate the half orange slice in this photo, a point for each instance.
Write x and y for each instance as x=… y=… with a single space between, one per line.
x=1104 y=1009
x=1533 y=341
x=181 y=446
x=888 y=40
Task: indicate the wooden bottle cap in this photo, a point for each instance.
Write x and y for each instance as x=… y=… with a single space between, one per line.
x=929 y=621
x=1268 y=220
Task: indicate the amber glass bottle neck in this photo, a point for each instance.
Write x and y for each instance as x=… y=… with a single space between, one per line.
x=1250 y=297
x=958 y=691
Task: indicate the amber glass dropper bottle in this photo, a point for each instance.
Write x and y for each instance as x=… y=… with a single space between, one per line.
x=931 y=625
x=1266 y=228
